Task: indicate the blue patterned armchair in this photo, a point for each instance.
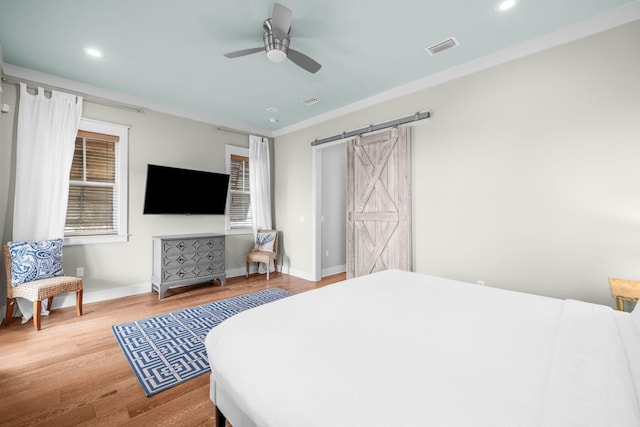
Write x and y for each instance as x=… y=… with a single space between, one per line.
x=34 y=272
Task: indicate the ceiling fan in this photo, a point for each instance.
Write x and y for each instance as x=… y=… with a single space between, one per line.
x=276 y=41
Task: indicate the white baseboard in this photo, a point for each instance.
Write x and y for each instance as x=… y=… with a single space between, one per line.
x=69 y=300
x=237 y=272
x=89 y=296
x=334 y=270
x=300 y=274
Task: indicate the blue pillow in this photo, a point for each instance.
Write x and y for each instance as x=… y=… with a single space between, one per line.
x=265 y=241
x=35 y=260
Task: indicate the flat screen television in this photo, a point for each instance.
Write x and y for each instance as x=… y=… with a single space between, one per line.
x=184 y=191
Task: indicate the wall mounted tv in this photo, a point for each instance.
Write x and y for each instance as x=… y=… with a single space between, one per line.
x=184 y=191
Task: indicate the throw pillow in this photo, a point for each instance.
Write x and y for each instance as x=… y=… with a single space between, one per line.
x=35 y=260
x=265 y=241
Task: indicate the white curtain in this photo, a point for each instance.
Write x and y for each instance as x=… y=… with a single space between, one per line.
x=260 y=182
x=46 y=132
x=260 y=185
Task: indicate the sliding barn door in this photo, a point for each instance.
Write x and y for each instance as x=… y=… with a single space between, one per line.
x=379 y=202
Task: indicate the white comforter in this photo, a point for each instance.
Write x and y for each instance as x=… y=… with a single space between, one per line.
x=404 y=349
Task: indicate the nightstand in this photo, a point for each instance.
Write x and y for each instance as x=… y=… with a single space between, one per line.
x=624 y=290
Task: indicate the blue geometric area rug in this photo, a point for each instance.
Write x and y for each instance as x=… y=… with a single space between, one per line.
x=166 y=350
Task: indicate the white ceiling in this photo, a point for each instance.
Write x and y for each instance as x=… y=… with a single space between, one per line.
x=168 y=55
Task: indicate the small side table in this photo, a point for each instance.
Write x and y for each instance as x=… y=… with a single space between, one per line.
x=624 y=290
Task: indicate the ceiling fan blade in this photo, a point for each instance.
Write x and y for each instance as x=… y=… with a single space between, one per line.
x=281 y=21
x=244 y=52
x=303 y=61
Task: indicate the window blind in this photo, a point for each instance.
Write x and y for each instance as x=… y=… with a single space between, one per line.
x=239 y=195
x=93 y=187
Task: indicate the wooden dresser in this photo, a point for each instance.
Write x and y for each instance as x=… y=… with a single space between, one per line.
x=187 y=259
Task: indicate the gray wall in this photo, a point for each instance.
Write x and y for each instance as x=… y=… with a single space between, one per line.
x=526 y=176
x=153 y=138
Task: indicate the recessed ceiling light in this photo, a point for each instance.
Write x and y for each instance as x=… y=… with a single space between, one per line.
x=504 y=5
x=272 y=110
x=273 y=120
x=95 y=53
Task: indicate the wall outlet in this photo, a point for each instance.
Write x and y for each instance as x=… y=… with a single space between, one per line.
x=326 y=253
x=80 y=272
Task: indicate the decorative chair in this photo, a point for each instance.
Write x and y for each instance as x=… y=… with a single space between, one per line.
x=265 y=250
x=44 y=286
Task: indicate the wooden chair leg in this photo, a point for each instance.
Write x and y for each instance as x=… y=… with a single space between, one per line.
x=275 y=264
x=50 y=303
x=37 y=308
x=79 y=302
x=11 y=303
x=247 y=275
x=268 y=264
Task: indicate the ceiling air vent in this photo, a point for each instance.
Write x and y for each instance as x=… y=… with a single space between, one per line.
x=443 y=45
x=311 y=101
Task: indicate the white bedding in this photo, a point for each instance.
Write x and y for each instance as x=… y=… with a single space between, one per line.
x=403 y=349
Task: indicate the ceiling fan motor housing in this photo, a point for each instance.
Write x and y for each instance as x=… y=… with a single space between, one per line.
x=276 y=49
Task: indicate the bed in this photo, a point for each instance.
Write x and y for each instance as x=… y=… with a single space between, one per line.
x=396 y=348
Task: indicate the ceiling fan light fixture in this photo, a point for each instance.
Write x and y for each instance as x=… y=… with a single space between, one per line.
x=276 y=55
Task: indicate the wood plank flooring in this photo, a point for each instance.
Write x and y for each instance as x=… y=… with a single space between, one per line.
x=73 y=373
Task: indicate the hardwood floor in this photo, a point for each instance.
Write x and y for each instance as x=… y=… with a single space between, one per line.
x=73 y=373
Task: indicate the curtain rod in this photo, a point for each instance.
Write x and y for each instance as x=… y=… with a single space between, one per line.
x=85 y=97
x=372 y=128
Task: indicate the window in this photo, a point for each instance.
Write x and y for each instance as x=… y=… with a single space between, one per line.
x=238 y=217
x=97 y=204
